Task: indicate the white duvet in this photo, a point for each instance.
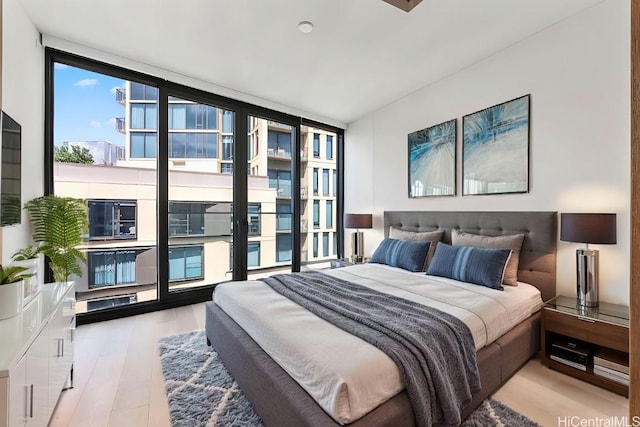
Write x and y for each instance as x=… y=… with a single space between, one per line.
x=345 y=375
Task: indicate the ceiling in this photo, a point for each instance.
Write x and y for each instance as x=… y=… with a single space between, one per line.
x=361 y=55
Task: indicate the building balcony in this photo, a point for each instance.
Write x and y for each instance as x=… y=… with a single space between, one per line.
x=279 y=153
x=121 y=125
x=283 y=191
x=121 y=96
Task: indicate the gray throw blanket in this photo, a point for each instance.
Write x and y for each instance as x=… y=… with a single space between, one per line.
x=433 y=350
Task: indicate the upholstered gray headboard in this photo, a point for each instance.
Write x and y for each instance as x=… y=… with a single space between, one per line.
x=538 y=254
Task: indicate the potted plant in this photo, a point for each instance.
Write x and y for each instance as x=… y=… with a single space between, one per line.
x=11 y=290
x=28 y=257
x=59 y=224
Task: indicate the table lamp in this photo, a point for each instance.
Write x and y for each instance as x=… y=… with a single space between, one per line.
x=357 y=221
x=596 y=228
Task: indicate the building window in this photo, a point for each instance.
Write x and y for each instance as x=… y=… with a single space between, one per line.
x=325 y=182
x=253 y=255
x=185 y=262
x=207 y=218
x=193 y=145
x=329 y=213
x=192 y=116
x=281 y=181
x=110 y=268
x=144 y=116
x=329 y=147
x=227 y=121
x=279 y=144
x=316 y=145
x=186 y=218
x=335 y=182
x=143 y=145
x=112 y=219
x=283 y=216
x=283 y=247
x=226 y=168
x=316 y=214
x=315 y=181
x=140 y=92
x=253 y=217
x=227 y=147
x=325 y=244
x=335 y=244
x=315 y=245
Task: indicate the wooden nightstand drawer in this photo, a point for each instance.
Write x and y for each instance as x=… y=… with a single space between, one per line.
x=608 y=335
x=566 y=324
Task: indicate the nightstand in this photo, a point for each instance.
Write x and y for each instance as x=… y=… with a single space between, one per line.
x=598 y=329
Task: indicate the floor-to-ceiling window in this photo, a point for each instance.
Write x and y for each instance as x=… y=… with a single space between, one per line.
x=184 y=189
x=200 y=139
x=104 y=143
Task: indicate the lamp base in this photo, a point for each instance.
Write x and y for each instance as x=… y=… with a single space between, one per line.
x=587 y=277
x=357 y=247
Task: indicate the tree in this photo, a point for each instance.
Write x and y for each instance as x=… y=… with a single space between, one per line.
x=76 y=155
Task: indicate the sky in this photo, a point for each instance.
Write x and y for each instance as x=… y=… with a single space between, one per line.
x=85 y=106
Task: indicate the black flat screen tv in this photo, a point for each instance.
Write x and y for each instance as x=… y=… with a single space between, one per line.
x=10 y=182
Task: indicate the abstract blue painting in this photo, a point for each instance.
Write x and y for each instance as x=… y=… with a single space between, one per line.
x=432 y=161
x=495 y=147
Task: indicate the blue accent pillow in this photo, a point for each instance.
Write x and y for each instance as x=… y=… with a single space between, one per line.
x=481 y=266
x=406 y=254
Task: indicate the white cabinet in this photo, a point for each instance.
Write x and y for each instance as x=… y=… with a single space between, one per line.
x=37 y=358
x=18 y=393
x=37 y=380
x=61 y=331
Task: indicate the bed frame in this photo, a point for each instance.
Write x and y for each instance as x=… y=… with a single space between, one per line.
x=280 y=401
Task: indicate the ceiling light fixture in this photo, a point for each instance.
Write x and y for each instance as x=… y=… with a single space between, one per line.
x=305 y=26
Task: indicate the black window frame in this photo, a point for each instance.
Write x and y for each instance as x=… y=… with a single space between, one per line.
x=165 y=89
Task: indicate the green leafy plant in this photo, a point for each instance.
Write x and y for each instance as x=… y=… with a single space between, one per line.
x=59 y=223
x=76 y=155
x=28 y=252
x=12 y=274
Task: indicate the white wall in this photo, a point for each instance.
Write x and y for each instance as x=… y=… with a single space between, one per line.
x=578 y=74
x=23 y=100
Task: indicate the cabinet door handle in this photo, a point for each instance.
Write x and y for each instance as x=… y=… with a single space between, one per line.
x=586 y=319
x=60 y=347
x=31 y=401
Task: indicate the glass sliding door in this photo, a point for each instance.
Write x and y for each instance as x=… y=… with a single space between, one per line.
x=318 y=197
x=105 y=142
x=200 y=168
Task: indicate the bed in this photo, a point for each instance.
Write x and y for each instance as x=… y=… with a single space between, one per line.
x=281 y=401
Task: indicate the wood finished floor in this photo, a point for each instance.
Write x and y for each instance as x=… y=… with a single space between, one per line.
x=118 y=379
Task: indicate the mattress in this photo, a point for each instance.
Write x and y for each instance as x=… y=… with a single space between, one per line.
x=345 y=375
